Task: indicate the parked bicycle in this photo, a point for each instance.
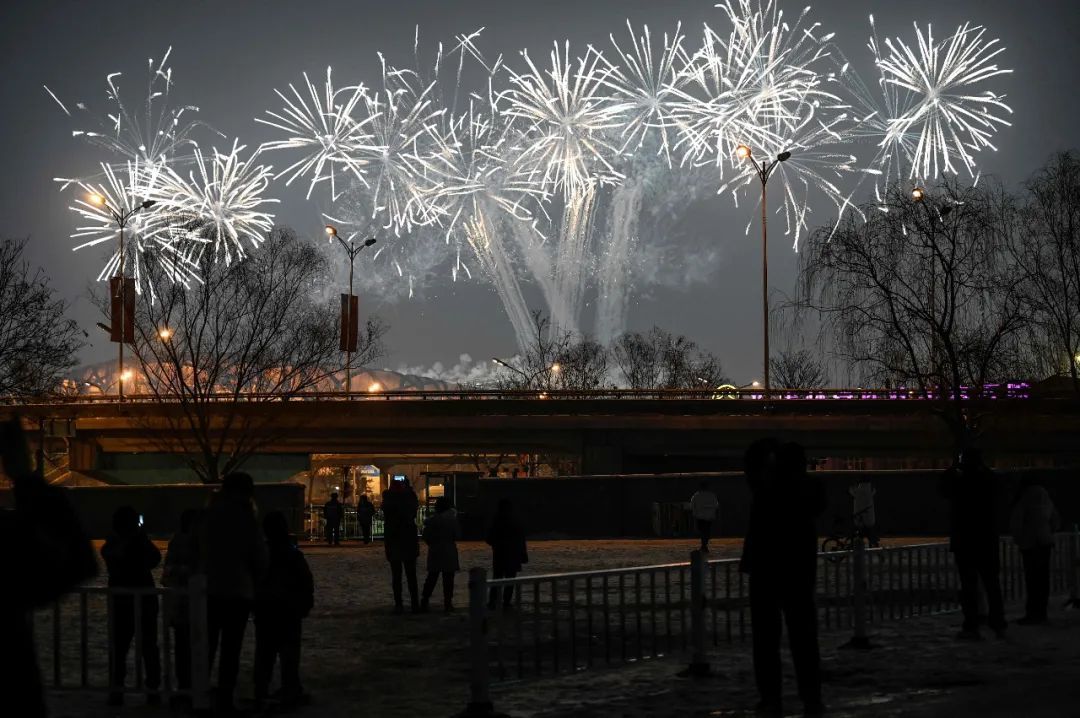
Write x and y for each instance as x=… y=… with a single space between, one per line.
x=838 y=543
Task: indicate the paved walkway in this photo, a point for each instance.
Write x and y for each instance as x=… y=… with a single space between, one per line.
x=917 y=669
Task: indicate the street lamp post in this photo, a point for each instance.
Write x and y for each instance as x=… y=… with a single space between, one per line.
x=350 y=326
x=764 y=169
x=918 y=195
x=555 y=368
x=121 y=217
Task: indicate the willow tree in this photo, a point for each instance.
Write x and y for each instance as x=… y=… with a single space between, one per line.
x=919 y=292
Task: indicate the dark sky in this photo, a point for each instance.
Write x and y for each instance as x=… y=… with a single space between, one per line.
x=229 y=56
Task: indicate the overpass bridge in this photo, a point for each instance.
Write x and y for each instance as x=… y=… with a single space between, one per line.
x=609 y=432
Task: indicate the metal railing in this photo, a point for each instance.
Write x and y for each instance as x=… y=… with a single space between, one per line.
x=992 y=392
x=79 y=650
x=568 y=622
x=315 y=523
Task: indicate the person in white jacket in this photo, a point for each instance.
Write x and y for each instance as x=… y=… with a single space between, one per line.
x=1033 y=522
x=705 y=508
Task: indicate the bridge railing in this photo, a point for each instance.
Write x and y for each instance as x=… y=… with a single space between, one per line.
x=76 y=651
x=533 y=626
x=991 y=392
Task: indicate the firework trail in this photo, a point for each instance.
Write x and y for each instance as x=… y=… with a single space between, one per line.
x=219 y=204
x=646 y=83
x=567 y=119
x=479 y=190
x=942 y=106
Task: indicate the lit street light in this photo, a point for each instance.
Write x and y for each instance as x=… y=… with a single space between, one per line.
x=121 y=217
x=764 y=169
x=350 y=325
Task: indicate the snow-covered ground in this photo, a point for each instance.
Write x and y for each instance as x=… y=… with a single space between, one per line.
x=358 y=659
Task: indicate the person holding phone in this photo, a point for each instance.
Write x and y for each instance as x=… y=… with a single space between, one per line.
x=53 y=555
x=130 y=556
x=399 y=504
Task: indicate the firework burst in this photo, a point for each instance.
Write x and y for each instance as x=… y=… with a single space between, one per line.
x=147 y=234
x=325 y=130
x=151 y=135
x=939 y=101
x=219 y=204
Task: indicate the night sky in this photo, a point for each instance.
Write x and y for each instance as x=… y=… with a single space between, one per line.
x=229 y=56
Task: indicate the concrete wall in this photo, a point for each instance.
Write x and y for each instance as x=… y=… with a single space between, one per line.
x=161 y=468
x=907 y=502
x=161 y=506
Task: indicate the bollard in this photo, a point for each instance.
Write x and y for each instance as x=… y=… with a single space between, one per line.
x=859 y=639
x=479 y=705
x=699 y=663
x=200 y=643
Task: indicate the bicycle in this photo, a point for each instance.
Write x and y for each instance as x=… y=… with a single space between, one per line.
x=838 y=543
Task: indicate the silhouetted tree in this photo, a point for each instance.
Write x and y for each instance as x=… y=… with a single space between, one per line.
x=658 y=359
x=1047 y=257
x=556 y=360
x=38 y=343
x=799 y=369
x=921 y=295
x=248 y=333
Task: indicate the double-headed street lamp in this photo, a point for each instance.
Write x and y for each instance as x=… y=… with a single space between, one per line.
x=123 y=293
x=555 y=368
x=764 y=169
x=350 y=325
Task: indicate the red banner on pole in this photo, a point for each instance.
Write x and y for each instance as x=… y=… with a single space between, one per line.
x=122 y=310
x=350 y=322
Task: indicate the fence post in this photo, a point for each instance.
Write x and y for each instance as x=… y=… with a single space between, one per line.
x=699 y=663
x=859 y=639
x=200 y=643
x=479 y=705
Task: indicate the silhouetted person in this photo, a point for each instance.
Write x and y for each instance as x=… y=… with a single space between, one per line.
x=333 y=512
x=181 y=561
x=780 y=554
x=1033 y=522
x=282 y=601
x=441 y=533
x=399 y=505
x=705 y=508
x=130 y=556
x=233 y=555
x=46 y=553
x=365 y=512
x=971 y=490
x=508 y=549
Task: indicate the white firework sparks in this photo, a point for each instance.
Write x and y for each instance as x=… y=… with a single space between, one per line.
x=944 y=108
x=402 y=114
x=152 y=134
x=326 y=130
x=568 y=119
x=768 y=89
x=220 y=203
x=147 y=234
x=647 y=88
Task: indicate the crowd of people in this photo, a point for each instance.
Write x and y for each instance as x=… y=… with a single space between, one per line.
x=254 y=569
